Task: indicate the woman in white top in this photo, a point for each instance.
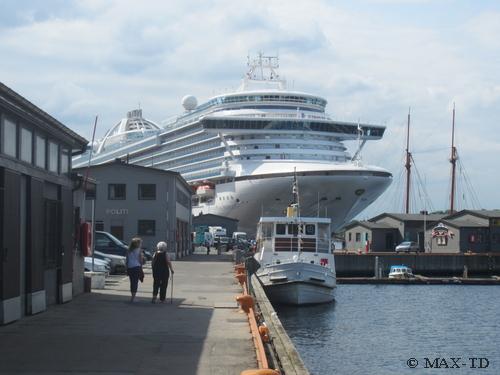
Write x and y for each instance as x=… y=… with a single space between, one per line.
x=135 y=259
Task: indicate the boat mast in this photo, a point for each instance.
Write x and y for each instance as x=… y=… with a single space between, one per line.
x=453 y=161
x=408 y=166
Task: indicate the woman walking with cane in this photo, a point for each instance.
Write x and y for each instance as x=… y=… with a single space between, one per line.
x=161 y=266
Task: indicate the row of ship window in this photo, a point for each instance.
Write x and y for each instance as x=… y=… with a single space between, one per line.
x=262 y=98
x=21 y=142
x=290 y=125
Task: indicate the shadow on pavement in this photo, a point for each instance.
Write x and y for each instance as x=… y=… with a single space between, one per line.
x=103 y=333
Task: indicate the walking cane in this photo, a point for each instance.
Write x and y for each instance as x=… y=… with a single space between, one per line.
x=172 y=289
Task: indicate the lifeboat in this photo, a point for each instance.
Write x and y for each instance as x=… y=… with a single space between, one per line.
x=205 y=190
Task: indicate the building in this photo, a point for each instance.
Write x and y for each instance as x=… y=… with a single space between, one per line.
x=150 y=203
x=476 y=231
x=385 y=231
x=36 y=208
x=365 y=235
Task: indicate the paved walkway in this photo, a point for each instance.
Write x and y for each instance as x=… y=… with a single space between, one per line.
x=201 y=332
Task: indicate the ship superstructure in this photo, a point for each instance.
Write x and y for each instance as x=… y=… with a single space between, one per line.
x=239 y=151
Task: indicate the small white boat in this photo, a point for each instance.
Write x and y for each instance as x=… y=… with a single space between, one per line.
x=297 y=265
x=401 y=272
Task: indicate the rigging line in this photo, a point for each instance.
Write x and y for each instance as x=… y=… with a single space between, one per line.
x=421 y=185
x=470 y=187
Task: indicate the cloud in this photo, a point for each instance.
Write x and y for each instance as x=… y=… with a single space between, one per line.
x=370 y=60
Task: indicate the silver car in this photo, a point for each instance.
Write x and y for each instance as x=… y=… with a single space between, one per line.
x=408 y=247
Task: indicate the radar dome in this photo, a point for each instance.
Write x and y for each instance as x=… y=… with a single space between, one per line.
x=189 y=102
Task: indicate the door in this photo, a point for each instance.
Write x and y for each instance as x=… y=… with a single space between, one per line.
x=23 y=233
x=52 y=250
x=117 y=231
x=389 y=241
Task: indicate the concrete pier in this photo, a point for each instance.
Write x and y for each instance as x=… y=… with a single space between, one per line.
x=202 y=332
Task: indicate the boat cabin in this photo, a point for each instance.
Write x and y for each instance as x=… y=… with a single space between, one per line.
x=294 y=234
x=400 y=272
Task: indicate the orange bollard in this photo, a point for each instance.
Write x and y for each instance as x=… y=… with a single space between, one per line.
x=245 y=301
x=242 y=277
x=261 y=371
x=239 y=268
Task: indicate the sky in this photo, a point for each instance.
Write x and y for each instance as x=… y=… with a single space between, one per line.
x=372 y=60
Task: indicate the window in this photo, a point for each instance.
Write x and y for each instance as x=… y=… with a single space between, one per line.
x=99 y=225
x=53 y=157
x=40 y=152
x=117 y=192
x=147 y=191
x=310 y=229
x=91 y=191
x=10 y=138
x=366 y=236
x=293 y=229
x=64 y=160
x=442 y=240
x=350 y=236
x=146 y=227
x=358 y=237
x=26 y=145
x=280 y=228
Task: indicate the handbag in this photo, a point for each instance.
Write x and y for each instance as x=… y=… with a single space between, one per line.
x=141 y=275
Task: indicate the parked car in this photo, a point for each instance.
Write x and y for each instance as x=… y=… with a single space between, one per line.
x=408 y=247
x=107 y=243
x=117 y=262
x=100 y=265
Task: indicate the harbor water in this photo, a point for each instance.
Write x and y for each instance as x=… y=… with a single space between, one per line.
x=399 y=329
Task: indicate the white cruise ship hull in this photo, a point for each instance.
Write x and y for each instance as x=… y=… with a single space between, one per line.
x=298 y=283
x=337 y=194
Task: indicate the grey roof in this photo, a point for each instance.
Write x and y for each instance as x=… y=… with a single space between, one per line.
x=409 y=217
x=25 y=108
x=486 y=214
x=368 y=225
x=462 y=223
x=150 y=169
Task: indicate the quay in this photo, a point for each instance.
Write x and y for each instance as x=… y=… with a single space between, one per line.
x=432 y=265
x=202 y=331
x=421 y=280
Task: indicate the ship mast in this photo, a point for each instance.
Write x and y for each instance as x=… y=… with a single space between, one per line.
x=453 y=161
x=408 y=166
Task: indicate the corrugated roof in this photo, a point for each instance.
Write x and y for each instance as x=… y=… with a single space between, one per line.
x=461 y=223
x=368 y=225
x=151 y=169
x=410 y=217
x=22 y=105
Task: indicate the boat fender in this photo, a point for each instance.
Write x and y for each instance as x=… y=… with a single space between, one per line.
x=264 y=333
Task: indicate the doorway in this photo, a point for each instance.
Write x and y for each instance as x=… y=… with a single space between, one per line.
x=117 y=231
x=389 y=241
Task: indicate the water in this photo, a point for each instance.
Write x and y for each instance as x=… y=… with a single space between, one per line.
x=376 y=329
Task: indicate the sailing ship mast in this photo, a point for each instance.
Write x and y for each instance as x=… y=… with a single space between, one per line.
x=408 y=166
x=453 y=161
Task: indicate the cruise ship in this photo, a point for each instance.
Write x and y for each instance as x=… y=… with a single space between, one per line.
x=241 y=150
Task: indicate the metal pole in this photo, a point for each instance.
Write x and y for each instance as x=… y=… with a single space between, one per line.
x=408 y=166
x=172 y=290
x=93 y=233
